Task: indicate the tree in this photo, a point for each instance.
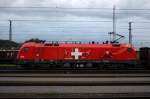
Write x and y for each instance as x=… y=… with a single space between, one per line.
x=35 y=40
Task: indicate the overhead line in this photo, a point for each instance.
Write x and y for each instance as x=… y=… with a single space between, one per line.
x=79 y=21
x=133 y=9
x=84 y=21
x=62 y=20
x=132 y=13
x=57 y=8
x=70 y=8
x=50 y=7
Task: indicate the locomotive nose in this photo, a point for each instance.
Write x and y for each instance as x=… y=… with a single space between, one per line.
x=21 y=57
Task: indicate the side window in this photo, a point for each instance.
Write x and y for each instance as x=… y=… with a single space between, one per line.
x=25 y=49
x=130 y=50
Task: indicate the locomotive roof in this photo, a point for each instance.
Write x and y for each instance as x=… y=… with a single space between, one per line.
x=34 y=44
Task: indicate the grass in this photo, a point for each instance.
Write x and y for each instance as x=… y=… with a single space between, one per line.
x=7 y=65
x=15 y=95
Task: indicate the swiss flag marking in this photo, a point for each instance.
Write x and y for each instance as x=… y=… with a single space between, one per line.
x=76 y=54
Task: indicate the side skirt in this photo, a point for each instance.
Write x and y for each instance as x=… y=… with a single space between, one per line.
x=79 y=64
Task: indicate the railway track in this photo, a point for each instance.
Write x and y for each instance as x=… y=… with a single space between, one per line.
x=15 y=69
x=47 y=75
x=74 y=79
x=33 y=85
x=75 y=71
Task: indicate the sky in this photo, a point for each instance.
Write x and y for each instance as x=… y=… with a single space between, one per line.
x=75 y=20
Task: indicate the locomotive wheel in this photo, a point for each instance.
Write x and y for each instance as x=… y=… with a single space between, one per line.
x=27 y=66
x=66 y=65
x=89 y=65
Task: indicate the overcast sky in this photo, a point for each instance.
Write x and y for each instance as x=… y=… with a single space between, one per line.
x=71 y=20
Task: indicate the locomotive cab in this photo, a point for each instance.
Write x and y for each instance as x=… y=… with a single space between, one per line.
x=25 y=54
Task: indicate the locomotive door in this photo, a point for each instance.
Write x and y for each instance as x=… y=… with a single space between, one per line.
x=38 y=54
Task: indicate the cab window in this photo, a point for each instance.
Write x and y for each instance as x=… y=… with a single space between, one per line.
x=25 y=49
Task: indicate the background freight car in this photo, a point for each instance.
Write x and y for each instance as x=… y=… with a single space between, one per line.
x=145 y=56
x=8 y=56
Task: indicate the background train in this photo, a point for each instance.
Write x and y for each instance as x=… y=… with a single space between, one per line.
x=8 y=56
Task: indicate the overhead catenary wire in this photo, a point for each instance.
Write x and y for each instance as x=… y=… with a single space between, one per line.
x=75 y=21
x=55 y=7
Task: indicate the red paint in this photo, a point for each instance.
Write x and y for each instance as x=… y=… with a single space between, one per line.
x=98 y=52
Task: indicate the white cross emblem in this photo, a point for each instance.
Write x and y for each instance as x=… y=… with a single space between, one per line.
x=76 y=54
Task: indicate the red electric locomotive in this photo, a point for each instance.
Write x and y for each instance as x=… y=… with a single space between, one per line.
x=76 y=54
